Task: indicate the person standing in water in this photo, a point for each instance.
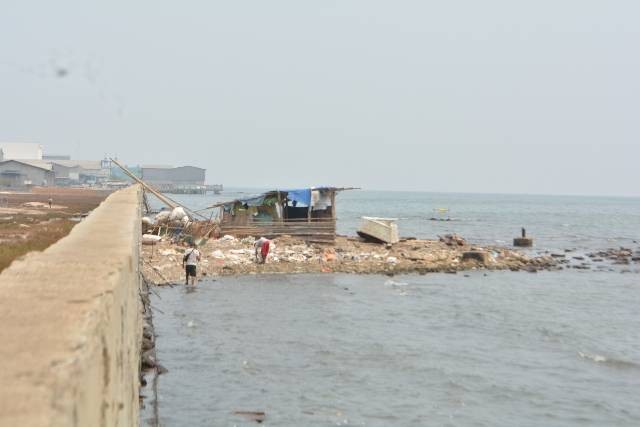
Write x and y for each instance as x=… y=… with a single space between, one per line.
x=50 y=202
x=190 y=263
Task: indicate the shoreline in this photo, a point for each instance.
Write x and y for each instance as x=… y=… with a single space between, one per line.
x=162 y=262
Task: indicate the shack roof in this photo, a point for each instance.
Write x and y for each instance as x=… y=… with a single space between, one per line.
x=169 y=167
x=298 y=194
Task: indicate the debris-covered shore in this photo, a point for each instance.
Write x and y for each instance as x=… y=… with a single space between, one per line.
x=230 y=256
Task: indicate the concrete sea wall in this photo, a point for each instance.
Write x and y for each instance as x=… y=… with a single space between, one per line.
x=70 y=325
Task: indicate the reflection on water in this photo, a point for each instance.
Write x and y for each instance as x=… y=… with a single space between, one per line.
x=503 y=350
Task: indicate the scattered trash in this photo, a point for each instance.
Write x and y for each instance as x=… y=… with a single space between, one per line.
x=452 y=239
x=479 y=256
x=241 y=251
x=297 y=258
x=162 y=217
x=150 y=239
x=348 y=255
x=218 y=254
x=177 y=214
x=35 y=205
x=329 y=255
x=227 y=238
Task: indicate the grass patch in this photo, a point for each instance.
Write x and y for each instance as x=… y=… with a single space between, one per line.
x=38 y=238
x=21 y=233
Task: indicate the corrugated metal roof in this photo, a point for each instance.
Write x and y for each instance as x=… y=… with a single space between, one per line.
x=284 y=192
x=84 y=164
x=41 y=164
x=156 y=167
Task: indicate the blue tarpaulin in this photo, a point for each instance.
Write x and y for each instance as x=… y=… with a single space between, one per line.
x=302 y=196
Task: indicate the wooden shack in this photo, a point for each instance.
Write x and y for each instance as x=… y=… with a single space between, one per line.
x=308 y=213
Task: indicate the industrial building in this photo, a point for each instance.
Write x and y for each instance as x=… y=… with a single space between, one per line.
x=56 y=157
x=20 y=151
x=68 y=172
x=183 y=179
x=20 y=174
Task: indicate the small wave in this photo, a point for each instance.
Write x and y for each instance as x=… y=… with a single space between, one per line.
x=394 y=284
x=597 y=358
x=594 y=357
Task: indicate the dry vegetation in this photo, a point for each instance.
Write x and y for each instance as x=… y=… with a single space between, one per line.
x=24 y=230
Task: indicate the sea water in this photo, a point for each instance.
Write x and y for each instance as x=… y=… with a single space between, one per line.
x=476 y=349
x=554 y=221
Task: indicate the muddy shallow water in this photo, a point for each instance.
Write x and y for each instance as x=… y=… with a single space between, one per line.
x=553 y=348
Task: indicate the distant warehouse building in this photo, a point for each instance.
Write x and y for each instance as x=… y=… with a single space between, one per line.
x=69 y=172
x=20 y=174
x=56 y=157
x=20 y=151
x=183 y=179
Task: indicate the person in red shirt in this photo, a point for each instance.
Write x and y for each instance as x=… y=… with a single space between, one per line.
x=262 y=246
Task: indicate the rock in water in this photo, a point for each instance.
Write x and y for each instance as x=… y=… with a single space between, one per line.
x=481 y=257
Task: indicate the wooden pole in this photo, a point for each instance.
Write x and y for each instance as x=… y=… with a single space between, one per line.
x=147 y=187
x=281 y=211
x=333 y=205
x=146 y=202
x=164 y=199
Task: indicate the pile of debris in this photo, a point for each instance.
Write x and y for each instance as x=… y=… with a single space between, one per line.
x=452 y=240
x=176 y=225
x=231 y=256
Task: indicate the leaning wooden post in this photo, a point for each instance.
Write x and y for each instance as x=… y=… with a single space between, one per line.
x=333 y=205
x=281 y=211
x=333 y=212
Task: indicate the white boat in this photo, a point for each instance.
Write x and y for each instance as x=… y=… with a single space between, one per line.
x=383 y=230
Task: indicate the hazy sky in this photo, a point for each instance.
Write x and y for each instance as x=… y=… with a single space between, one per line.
x=467 y=96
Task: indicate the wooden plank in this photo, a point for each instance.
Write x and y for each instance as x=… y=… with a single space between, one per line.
x=333 y=205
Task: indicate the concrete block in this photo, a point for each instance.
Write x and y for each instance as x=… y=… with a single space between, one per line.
x=523 y=242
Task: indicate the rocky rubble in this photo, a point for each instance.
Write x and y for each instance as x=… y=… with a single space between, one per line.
x=612 y=259
x=230 y=256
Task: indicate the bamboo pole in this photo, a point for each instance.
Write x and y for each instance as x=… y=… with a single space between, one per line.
x=164 y=199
